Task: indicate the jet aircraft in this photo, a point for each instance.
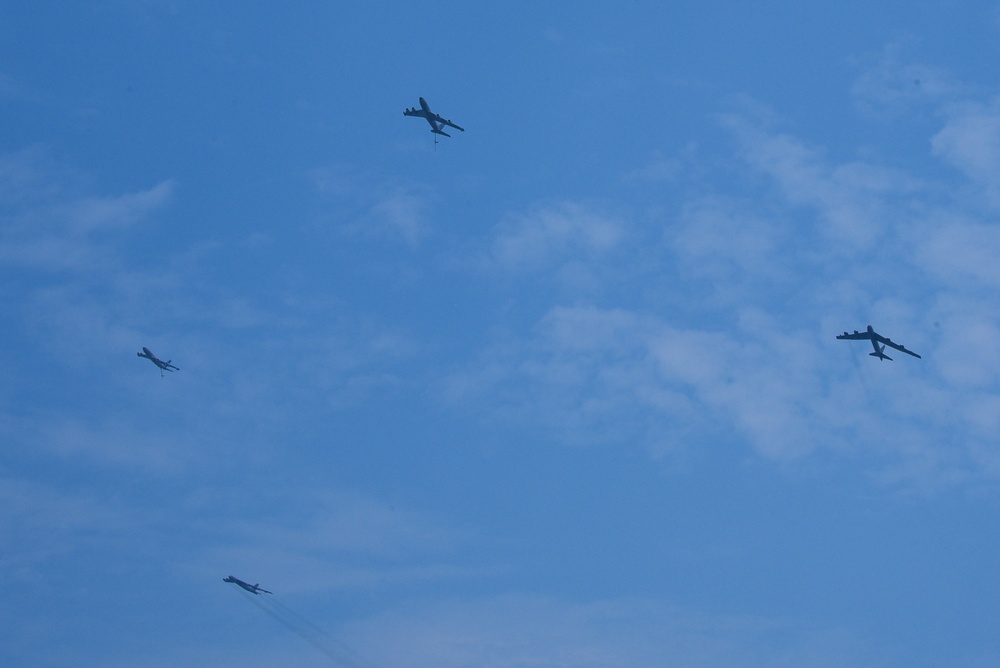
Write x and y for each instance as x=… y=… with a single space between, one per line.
x=164 y=366
x=876 y=339
x=253 y=589
x=436 y=121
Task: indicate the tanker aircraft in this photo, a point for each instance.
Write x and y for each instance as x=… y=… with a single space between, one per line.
x=253 y=589
x=436 y=121
x=164 y=366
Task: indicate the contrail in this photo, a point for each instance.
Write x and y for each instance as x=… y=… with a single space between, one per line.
x=861 y=374
x=338 y=652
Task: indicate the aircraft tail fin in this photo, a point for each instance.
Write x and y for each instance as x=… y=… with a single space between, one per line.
x=880 y=353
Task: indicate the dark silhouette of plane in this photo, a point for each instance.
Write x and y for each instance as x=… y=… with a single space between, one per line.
x=436 y=121
x=253 y=589
x=876 y=338
x=164 y=366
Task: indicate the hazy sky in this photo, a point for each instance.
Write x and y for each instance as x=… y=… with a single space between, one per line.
x=561 y=390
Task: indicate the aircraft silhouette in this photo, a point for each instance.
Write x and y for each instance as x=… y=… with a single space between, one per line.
x=876 y=338
x=164 y=366
x=436 y=121
x=253 y=589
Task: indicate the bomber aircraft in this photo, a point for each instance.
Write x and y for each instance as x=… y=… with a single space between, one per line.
x=436 y=121
x=164 y=366
x=876 y=339
x=253 y=589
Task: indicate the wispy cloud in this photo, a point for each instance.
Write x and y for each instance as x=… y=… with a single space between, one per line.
x=892 y=86
x=834 y=245
x=526 y=630
x=368 y=206
x=553 y=235
x=596 y=375
x=959 y=250
x=853 y=200
x=95 y=213
x=724 y=240
x=401 y=213
x=47 y=226
x=330 y=539
x=970 y=140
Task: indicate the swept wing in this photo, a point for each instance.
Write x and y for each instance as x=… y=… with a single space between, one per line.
x=252 y=588
x=876 y=338
x=436 y=121
x=898 y=346
x=164 y=366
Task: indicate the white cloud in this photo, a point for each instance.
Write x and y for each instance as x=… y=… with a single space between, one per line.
x=959 y=250
x=663 y=169
x=95 y=213
x=595 y=374
x=40 y=523
x=47 y=226
x=522 y=630
x=119 y=444
x=725 y=241
x=335 y=539
x=891 y=87
x=401 y=213
x=365 y=205
x=968 y=356
x=852 y=199
x=970 y=140
x=553 y=235
x=837 y=246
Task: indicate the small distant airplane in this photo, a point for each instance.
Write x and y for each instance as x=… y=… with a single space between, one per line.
x=164 y=366
x=253 y=589
x=876 y=338
x=436 y=121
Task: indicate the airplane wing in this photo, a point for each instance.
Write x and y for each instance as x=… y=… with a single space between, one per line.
x=420 y=113
x=445 y=121
x=901 y=348
x=856 y=336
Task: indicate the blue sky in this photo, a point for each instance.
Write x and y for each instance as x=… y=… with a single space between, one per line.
x=561 y=390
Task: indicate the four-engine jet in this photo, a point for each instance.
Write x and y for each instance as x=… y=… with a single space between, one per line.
x=164 y=366
x=253 y=589
x=876 y=339
x=436 y=121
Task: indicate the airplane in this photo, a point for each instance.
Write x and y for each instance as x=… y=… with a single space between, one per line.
x=164 y=366
x=253 y=589
x=436 y=121
x=876 y=338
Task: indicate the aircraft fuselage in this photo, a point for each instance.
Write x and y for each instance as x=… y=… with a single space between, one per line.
x=436 y=121
x=879 y=350
x=253 y=589
x=164 y=366
x=879 y=343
